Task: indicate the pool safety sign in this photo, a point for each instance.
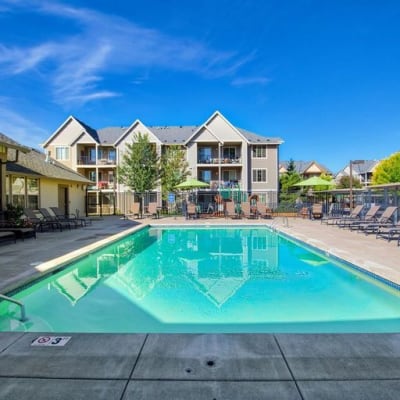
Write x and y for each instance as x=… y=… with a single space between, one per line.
x=51 y=341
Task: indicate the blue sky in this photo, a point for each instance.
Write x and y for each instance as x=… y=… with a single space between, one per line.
x=322 y=75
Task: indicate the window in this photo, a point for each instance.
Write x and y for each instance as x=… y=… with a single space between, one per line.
x=204 y=155
x=62 y=153
x=260 y=151
x=205 y=176
x=259 y=175
x=33 y=193
x=229 y=153
x=18 y=191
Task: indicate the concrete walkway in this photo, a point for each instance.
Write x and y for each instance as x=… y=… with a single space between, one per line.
x=194 y=366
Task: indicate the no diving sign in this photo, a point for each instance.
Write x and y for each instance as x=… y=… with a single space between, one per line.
x=51 y=341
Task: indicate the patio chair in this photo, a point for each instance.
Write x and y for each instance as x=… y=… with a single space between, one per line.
x=191 y=211
x=153 y=210
x=370 y=216
x=354 y=215
x=385 y=220
x=247 y=210
x=38 y=222
x=389 y=232
x=333 y=216
x=264 y=211
x=134 y=211
x=70 y=217
x=60 y=224
x=231 y=210
x=316 y=211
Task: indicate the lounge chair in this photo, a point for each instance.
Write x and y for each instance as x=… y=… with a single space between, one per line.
x=134 y=211
x=231 y=210
x=191 y=211
x=369 y=217
x=389 y=232
x=264 y=212
x=38 y=222
x=153 y=211
x=333 y=216
x=316 y=211
x=248 y=211
x=60 y=224
x=385 y=220
x=70 y=217
x=355 y=215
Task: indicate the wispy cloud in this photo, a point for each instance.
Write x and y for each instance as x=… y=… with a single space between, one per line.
x=18 y=127
x=77 y=65
x=254 y=80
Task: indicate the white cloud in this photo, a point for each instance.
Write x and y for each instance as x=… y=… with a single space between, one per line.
x=76 y=64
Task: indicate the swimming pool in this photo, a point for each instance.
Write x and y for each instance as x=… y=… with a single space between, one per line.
x=210 y=279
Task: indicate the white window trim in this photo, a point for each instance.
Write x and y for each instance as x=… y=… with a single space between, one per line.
x=259 y=158
x=259 y=169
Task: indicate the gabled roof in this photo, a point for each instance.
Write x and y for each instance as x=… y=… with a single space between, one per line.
x=92 y=132
x=34 y=163
x=360 y=168
x=168 y=135
x=302 y=166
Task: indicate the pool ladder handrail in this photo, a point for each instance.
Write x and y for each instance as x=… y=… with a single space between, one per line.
x=21 y=305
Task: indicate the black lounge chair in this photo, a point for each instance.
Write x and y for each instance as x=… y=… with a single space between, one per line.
x=60 y=224
x=72 y=218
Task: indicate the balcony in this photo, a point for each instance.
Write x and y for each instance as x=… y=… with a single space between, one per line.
x=86 y=160
x=218 y=161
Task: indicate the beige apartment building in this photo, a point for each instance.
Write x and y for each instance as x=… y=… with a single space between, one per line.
x=226 y=157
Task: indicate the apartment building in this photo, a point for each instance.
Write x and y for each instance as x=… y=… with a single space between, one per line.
x=217 y=152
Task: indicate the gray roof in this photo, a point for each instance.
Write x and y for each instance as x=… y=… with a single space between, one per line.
x=362 y=168
x=173 y=134
x=255 y=138
x=11 y=143
x=109 y=135
x=34 y=163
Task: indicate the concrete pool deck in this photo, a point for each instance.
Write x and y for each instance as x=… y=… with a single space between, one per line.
x=222 y=366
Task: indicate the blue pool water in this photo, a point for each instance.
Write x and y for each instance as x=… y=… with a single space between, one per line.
x=243 y=279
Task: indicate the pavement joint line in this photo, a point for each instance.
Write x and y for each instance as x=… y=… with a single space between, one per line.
x=134 y=367
x=288 y=367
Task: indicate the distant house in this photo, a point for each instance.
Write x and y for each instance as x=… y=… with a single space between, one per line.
x=32 y=180
x=306 y=169
x=362 y=170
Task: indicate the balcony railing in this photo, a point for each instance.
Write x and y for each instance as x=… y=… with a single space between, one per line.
x=85 y=160
x=236 y=160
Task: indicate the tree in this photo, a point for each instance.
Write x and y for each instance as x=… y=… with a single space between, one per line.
x=174 y=169
x=344 y=182
x=387 y=171
x=139 y=169
x=286 y=182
